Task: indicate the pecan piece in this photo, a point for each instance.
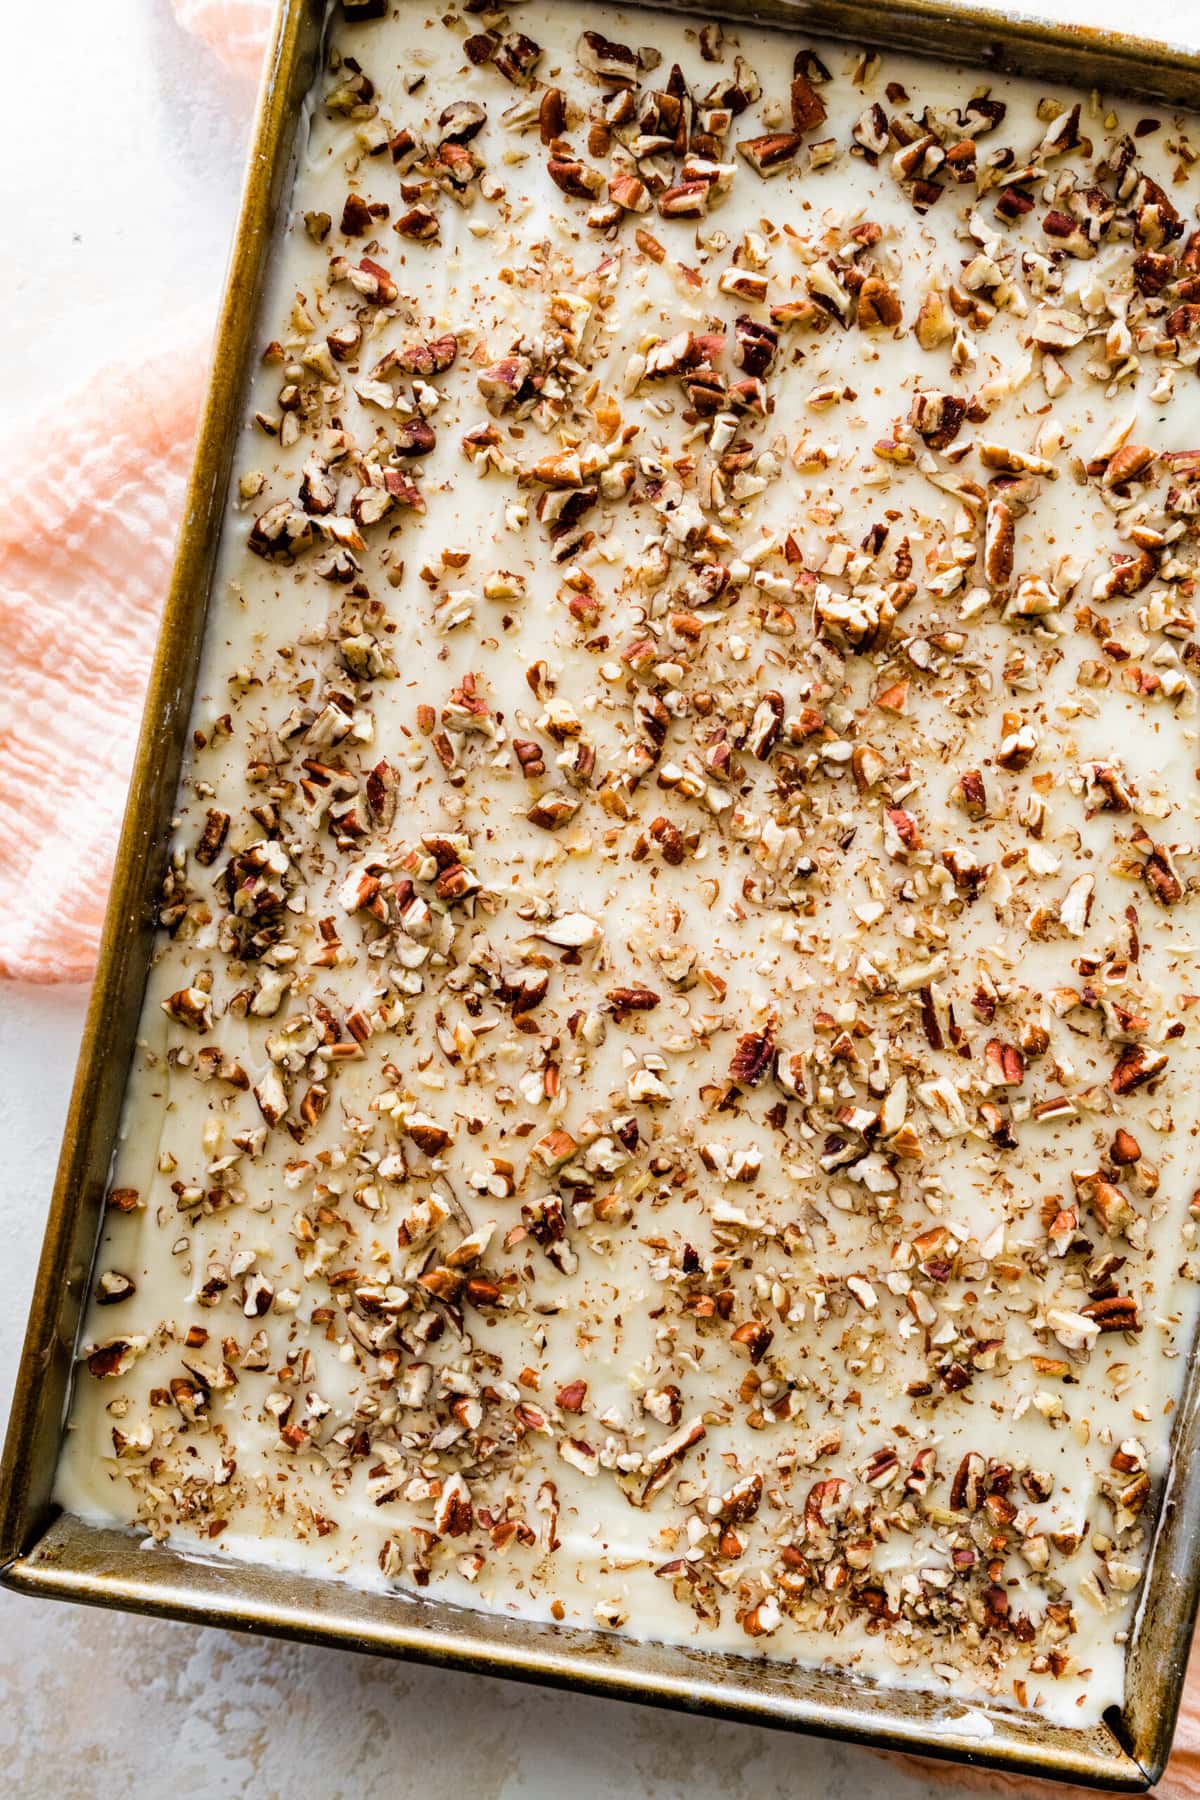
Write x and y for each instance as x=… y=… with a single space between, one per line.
x=373 y=282
x=1005 y=1064
x=192 y=1006
x=754 y=1337
x=344 y=340
x=752 y=1057
x=419 y=223
x=878 y=305
x=808 y=108
x=357 y=218
x=615 y=64
x=971 y=794
x=501 y=382
x=773 y=151
x=687 y=200
x=115 y=1356
x=998 y=544
x=516 y=57
x=755 y=344
x=282 y=531
x=528 y=753
x=552 y=811
x=1128 y=575
x=552 y=115
x=455 y=883
x=1161 y=877
x=113 y=1287
x=937 y=418
x=1135 y=1066
x=901 y=832
x=1130 y=461
x=432 y=357
x=1119 y=1312
x=208 y=845
x=669 y=839
x=630 y=999
x=967 y=1487
x=766 y=726
x=459 y=122
x=575 y=178
x=629 y=193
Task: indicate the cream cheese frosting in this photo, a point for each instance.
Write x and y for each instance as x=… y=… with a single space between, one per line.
x=667 y=1093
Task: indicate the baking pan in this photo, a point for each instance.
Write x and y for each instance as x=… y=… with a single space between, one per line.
x=43 y=1551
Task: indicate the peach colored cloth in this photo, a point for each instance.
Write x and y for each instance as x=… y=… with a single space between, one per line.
x=235 y=29
x=93 y=492
x=87 y=531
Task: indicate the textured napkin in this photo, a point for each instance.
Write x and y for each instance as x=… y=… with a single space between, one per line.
x=86 y=540
x=93 y=491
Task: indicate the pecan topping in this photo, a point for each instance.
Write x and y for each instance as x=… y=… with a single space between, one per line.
x=672 y=1002
x=752 y=1058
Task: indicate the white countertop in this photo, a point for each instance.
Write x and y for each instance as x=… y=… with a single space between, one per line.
x=118 y=179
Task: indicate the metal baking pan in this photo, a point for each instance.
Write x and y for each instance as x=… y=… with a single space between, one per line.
x=43 y=1551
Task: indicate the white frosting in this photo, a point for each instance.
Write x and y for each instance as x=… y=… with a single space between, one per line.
x=785 y=950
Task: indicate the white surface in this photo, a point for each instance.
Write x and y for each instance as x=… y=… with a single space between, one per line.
x=119 y=173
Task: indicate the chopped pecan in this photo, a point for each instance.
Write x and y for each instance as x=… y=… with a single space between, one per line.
x=752 y=1057
x=808 y=108
x=615 y=64
x=774 y=151
x=1136 y=1065
x=878 y=304
x=208 y=846
x=938 y=418
x=431 y=357
x=420 y=223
